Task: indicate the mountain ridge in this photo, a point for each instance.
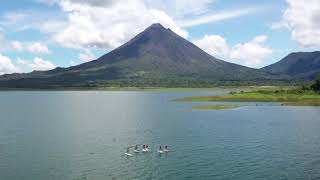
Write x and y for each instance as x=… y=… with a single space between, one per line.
x=299 y=65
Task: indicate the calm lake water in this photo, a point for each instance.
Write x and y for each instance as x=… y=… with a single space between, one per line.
x=81 y=135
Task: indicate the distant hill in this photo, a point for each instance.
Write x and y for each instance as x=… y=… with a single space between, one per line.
x=155 y=57
x=301 y=65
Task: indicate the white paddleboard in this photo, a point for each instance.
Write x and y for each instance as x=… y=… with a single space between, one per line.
x=128 y=154
x=160 y=151
x=136 y=151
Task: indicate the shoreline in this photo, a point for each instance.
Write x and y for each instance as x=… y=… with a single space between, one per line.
x=218 y=88
x=215 y=107
x=287 y=99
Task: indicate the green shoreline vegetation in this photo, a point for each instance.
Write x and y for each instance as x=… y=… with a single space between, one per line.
x=218 y=88
x=287 y=98
x=303 y=96
x=215 y=107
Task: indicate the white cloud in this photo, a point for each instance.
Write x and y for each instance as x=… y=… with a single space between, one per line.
x=302 y=18
x=37 y=64
x=251 y=54
x=87 y=56
x=16 y=46
x=31 y=47
x=277 y=25
x=216 y=17
x=213 y=44
x=109 y=23
x=6 y=65
x=38 y=48
x=52 y=26
x=109 y=26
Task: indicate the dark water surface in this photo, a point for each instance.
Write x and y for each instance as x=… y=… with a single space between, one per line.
x=82 y=135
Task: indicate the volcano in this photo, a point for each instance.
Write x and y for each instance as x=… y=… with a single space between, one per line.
x=156 y=57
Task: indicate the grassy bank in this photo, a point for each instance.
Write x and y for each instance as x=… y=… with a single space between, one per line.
x=215 y=107
x=286 y=97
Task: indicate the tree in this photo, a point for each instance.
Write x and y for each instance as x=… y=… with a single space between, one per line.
x=316 y=86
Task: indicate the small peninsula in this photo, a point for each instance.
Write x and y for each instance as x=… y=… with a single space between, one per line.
x=215 y=107
x=302 y=96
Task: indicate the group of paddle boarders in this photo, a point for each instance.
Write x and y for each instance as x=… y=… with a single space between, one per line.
x=145 y=148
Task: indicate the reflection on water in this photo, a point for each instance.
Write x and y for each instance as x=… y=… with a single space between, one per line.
x=84 y=135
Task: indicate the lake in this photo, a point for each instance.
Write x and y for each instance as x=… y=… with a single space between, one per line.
x=78 y=135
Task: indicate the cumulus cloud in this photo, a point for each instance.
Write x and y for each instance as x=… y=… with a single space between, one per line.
x=16 y=46
x=302 y=18
x=6 y=65
x=31 y=47
x=37 y=48
x=52 y=26
x=105 y=23
x=37 y=64
x=87 y=56
x=107 y=26
x=251 y=54
x=213 y=44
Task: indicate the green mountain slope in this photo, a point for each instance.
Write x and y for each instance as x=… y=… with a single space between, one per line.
x=301 y=65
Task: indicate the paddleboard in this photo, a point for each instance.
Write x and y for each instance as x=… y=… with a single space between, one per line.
x=160 y=151
x=128 y=154
x=136 y=151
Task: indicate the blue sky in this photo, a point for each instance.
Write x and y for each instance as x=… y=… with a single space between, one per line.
x=44 y=34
